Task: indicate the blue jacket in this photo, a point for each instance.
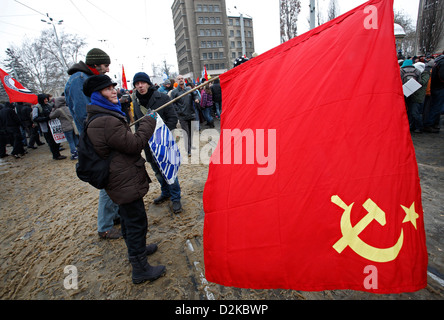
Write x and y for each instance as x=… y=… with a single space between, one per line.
x=75 y=98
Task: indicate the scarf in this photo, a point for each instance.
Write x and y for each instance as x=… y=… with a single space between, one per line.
x=93 y=70
x=145 y=98
x=101 y=101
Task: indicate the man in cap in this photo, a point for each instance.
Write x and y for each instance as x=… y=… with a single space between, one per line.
x=96 y=63
x=146 y=98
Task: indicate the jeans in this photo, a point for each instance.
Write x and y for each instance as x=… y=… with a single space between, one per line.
x=73 y=140
x=415 y=116
x=108 y=211
x=134 y=225
x=218 y=107
x=168 y=190
x=436 y=108
x=186 y=126
x=207 y=114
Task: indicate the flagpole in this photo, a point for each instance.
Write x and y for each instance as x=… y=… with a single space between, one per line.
x=179 y=97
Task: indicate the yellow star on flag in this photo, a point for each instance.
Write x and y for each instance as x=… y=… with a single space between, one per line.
x=411 y=215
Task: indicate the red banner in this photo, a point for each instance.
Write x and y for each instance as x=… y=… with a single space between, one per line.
x=15 y=91
x=314 y=184
x=124 y=85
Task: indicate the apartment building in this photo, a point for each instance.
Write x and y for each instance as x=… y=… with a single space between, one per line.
x=206 y=36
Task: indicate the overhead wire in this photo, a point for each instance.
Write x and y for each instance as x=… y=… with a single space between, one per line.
x=30 y=8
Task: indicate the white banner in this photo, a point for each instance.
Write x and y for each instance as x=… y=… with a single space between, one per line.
x=56 y=129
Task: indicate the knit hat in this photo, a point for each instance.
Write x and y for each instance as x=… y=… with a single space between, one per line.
x=97 y=57
x=96 y=83
x=142 y=76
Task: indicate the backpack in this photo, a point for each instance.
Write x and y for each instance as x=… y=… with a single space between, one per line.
x=408 y=73
x=91 y=167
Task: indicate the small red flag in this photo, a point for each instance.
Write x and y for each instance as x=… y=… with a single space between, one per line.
x=314 y=185
x=124 y=85
x=15 y=91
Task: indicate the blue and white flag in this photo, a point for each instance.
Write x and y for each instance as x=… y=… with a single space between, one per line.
x=165 y=151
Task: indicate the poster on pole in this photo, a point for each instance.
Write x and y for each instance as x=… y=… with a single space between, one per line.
x=56 y=130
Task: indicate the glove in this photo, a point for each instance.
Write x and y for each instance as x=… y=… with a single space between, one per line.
x=153 y=115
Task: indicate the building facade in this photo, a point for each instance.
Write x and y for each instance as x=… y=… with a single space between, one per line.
x=430 y=27
x=202 y=34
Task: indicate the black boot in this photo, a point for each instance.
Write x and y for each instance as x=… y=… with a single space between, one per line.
x=142 y=271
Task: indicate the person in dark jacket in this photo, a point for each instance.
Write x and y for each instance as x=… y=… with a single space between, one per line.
x=147 y=98
x=431 y=124
x=128 y=179
x=40 y=114
x=185 y=109
x=217 y=97
x=31 y=129
x=11 y=123
x=4 y=136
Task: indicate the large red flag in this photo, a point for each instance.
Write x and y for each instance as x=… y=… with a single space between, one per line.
x=15 y=91
x=314 y=184
x=124 y=85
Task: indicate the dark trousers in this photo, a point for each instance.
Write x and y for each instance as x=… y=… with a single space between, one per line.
x=34 y=137
x=17 y=142
x=134 y=225
x=52 y=145
x=3 y=143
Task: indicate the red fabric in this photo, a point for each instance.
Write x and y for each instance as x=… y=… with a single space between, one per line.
x=15 y=91
x=334 y=98
x=124 y=85
x=94 y=70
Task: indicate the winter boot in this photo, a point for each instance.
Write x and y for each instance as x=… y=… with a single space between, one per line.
x=142 y=271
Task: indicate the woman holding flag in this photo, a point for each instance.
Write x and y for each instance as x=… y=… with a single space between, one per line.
x=109 y=132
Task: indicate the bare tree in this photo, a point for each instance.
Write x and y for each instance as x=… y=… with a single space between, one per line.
x=431 y=26
x=333 y=10
x=289 y=12
x=38 y=64
x=319 y=15
x=408 y=43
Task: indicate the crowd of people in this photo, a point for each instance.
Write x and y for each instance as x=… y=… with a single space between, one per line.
x=90 y=92
x=426 y=104
x=91 y=105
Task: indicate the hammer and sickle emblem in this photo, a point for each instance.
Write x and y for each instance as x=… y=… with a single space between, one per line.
x=350 y=234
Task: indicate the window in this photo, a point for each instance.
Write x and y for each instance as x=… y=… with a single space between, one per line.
x=203 y=44
x=231 y=33
x=216 y=8
x=201 y=32
x=204 y=56
x=199 y=8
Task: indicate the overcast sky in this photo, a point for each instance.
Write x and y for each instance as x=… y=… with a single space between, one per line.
x=123 y=25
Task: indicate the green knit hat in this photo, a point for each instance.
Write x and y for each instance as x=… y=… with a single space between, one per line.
x=97 y=57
